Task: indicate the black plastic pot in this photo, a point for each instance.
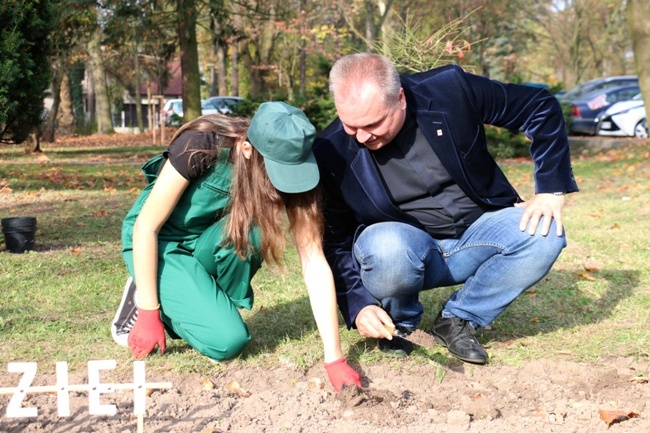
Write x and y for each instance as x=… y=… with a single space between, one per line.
x=20 y=233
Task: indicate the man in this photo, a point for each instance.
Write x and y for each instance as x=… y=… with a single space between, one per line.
x=414 y=201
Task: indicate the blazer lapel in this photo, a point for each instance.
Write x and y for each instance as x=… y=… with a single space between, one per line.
x=372 y=192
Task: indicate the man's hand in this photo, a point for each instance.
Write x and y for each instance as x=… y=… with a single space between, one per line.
x=545 y=205
x=372 y=322
x=147 y=332
x=341 y=374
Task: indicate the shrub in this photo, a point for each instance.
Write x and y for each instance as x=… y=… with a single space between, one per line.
x=25 y=71
x=503 y=143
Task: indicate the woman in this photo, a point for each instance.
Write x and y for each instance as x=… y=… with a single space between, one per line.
x=210 y=214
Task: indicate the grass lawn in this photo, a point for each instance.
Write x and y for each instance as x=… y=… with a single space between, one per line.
x=57 y=302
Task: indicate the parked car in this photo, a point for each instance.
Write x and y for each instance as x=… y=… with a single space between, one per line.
x=222 y=104
x=173 y=112
x=624 y=119
x=580 y=90
x=585 y=110
x=173 y=108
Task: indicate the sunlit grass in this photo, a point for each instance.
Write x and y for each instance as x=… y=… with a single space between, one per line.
x=57 y=301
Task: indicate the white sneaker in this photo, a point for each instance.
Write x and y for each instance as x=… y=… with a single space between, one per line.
x=126 y=315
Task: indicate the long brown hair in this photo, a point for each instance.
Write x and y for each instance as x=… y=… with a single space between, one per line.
x=255 y=202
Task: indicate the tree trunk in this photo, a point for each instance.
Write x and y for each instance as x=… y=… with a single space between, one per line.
x=221 y=70
x=32 y=144
x=302 y=65
x=138 y=82
x=50 y=125
x=65 y=113
x=638 y=18
x=257 y=57
x=90 y=110
x=371 y=27
x=256 y=76
x=234 y=82
x=189 y=59
x=103 y=114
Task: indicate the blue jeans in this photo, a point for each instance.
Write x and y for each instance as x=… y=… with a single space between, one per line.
x=493 y=258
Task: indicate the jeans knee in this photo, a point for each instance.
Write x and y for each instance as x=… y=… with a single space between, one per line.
x=548 y=248
x=391 y=261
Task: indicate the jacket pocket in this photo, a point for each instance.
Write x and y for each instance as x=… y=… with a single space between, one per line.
x=152 y=167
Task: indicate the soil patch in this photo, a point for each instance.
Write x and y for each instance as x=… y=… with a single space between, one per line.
x=539 y=396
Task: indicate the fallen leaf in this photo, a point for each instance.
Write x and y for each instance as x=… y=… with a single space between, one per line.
x=612 y=416
x=597 y=214
x=587 y=276
x=639 y=380
x=234 y=387
x=534 y=320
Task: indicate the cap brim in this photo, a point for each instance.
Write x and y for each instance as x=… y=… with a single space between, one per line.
x=293 y=178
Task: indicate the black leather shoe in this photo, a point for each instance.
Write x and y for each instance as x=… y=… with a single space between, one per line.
x=399 y=346
x=458 y=336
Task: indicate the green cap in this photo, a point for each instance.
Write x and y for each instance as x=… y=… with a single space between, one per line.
x=284 y=136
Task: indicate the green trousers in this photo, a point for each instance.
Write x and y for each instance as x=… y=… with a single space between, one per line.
x=201 y=289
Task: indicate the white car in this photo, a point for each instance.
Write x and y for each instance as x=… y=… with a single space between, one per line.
x=624 y=119
x=173 y=108
x=173 y=112
x=220 y=104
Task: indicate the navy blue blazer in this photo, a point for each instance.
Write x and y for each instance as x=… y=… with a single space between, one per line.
x=450 y=107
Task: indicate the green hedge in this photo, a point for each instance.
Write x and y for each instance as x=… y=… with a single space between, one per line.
x=503 y=143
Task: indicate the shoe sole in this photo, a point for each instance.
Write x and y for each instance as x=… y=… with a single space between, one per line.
x=114 y=334
x=442 y=342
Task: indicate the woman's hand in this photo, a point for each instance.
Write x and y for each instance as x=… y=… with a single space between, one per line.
x=341 y=374
x=147 y=332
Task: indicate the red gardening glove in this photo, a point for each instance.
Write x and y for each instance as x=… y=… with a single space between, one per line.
x=341 y=374
x=147 y=332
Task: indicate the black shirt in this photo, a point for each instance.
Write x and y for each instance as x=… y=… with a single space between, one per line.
x=183 y=156
x=421 y=186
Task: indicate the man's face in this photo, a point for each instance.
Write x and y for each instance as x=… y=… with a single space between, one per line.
x=367 y=118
